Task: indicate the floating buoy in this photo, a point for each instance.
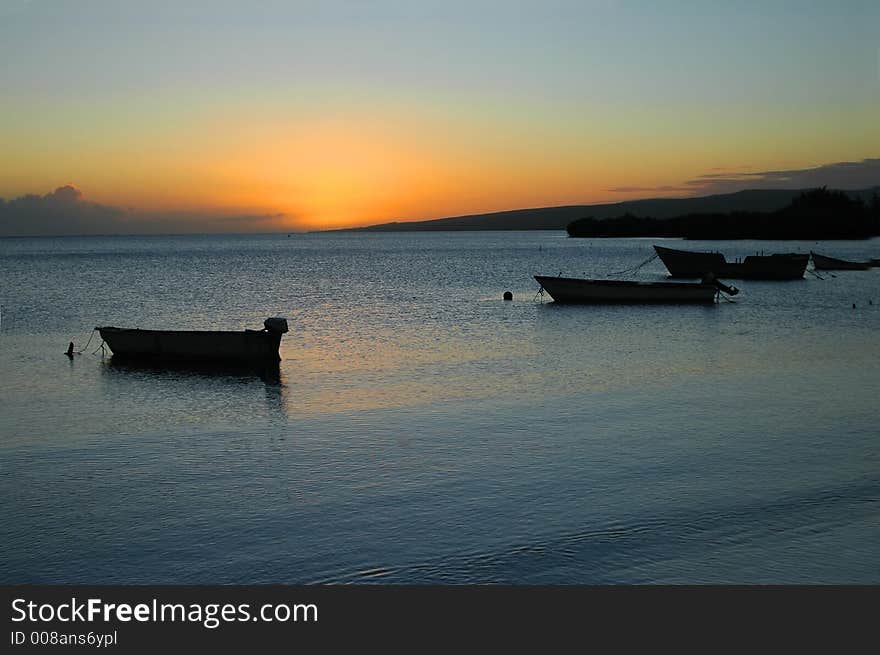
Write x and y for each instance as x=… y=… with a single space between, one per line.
x=854 y=305
x=69 y=352
x=508 y=295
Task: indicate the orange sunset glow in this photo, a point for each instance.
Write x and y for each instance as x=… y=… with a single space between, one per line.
x=352 y=121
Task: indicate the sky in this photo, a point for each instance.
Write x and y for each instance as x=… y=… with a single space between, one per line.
x=270 y=115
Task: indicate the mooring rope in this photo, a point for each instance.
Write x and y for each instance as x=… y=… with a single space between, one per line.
x=633 y=269
x=83 y=349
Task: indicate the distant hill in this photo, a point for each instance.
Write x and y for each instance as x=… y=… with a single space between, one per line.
x=813 y=215
x=557 y=218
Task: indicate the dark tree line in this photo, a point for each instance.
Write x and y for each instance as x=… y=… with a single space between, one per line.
x=813 y=215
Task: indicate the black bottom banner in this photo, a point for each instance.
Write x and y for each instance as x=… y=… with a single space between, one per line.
x=235 y=618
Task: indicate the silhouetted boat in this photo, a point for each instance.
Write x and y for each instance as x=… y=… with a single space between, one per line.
x=576 y=290
x=196 y=345
x=686 y=263
x=825 y=263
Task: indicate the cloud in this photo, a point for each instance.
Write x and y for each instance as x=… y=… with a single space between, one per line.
x=841 y=175
x=65 y=211
x=652 y=189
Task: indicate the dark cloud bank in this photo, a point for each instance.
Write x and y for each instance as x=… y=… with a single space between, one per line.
x=841 y=175
x=64 y=211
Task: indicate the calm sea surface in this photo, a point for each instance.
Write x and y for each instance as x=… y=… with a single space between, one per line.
x=425 y=431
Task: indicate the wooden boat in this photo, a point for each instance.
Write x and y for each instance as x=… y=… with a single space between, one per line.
x=825 y=263
x=196 y=345
x=576 y=290
x=686 y=263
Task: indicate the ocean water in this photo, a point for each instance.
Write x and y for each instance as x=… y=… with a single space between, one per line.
x=425 y=431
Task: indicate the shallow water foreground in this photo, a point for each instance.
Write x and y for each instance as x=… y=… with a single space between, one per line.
x=423 y=430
